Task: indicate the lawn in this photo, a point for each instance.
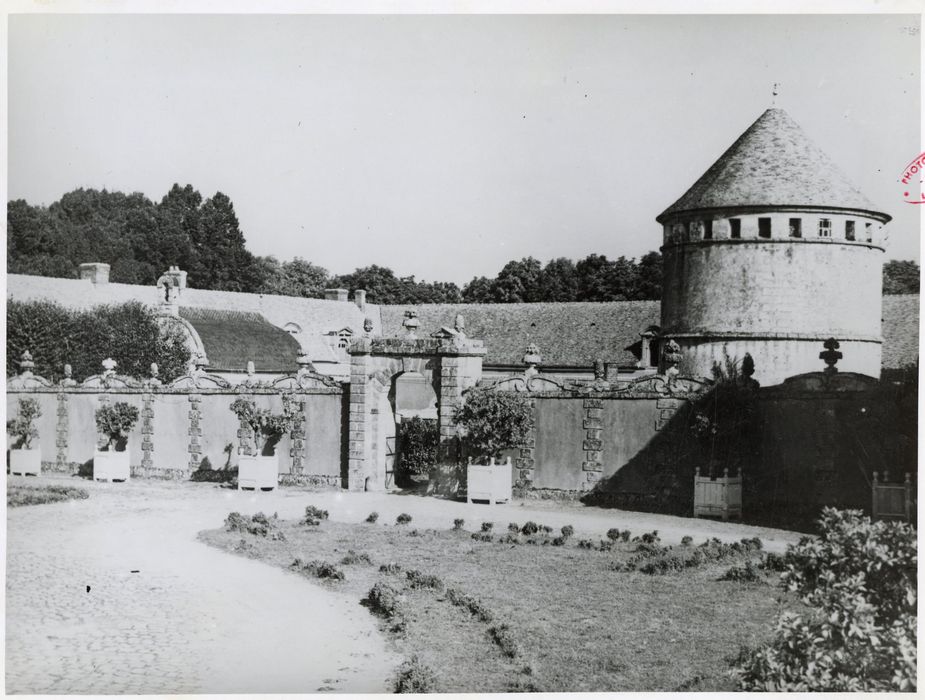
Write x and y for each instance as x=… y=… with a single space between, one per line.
x=22 y=495
x=514 y=616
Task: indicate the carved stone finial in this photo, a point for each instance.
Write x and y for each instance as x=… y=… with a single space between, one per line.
x=109 y=367
x=250 y=369
x=68 y=380
x=748 y=366
x=154 y=370
x=532 y=358
x=671 y=358
x=411 y=323
x=305 y=363
x=199 y=363
x=599 y=370
x=830 y=355
x=459 y=324
x=25 y=363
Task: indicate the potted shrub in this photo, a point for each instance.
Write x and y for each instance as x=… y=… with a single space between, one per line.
x=114 y=422
x=494 y=421
x=260 y=470
x=25 y=455
x=418 y=440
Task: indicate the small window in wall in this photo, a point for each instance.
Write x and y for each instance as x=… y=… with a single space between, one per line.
x=868 y=232
x=687 y=230
x=764 y=227
x=825 y=228
x=707 y=229
x=796 y=228
x=292 y=328
x=735 y=228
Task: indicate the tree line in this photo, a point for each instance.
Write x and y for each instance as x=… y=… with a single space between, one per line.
x=140 y=239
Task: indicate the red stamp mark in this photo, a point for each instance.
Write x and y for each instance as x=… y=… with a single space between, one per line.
x=914 y=191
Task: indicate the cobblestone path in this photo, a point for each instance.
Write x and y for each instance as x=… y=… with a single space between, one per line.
x=115 y=595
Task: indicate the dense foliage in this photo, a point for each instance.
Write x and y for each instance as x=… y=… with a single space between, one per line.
x=494 y=421
x=115 y=421
x=901 y=277
x=267 y=427
x=418 y=440
x=23 y=427
x=859 y=578
x=128 y=333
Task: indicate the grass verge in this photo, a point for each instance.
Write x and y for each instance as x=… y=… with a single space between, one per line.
x=22 y=495
x=508 y=616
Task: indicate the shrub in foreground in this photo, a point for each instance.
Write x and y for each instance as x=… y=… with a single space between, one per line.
x=314 y=516
x=458 y=524
x=20 y=495
x=415 y=677
x=860 y=579
x=403 y=519
x=258 y=524
x=372 y=517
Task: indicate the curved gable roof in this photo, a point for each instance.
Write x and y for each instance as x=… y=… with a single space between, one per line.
x=774 y=164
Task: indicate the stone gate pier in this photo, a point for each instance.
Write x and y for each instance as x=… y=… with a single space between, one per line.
x=450 y=362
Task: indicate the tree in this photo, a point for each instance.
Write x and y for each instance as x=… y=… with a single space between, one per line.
x=558 y=281
x=494 y=420
x=295 y=278
x=478 y=291
x=518 y=281
x=222 y=259
x=649 y=276
x=128 y=333
x=901 y=277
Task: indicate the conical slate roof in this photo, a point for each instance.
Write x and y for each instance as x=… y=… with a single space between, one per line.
x=772 y=164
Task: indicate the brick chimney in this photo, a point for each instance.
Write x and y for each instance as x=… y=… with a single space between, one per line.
x=96 y=272
x=359 y=298
x=335 y=294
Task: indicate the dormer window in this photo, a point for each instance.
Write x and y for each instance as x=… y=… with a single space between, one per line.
x=796 y=228
x=292 y=328
x=825 y=228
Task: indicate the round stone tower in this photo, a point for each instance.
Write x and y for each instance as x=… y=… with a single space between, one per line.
x=771 y=252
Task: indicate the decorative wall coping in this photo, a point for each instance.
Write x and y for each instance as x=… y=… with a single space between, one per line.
x=459 y=346
x=653 y=386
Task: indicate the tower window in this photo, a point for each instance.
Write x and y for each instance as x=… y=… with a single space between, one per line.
x=849 y=230
x=707 y=229
x=868 y=229
x=796 y=228
x=764 y=227
x=825 y=228
x=735 y=228
x=687 y=230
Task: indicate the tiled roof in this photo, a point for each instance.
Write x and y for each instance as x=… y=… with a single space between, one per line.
x=568 y=335
x=231 y=338
x=315 y=317
x=772 y=164
x=900 y=331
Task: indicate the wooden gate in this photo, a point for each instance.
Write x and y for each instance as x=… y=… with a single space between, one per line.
x=892 y=501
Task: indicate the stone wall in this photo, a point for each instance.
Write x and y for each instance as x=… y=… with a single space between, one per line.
x=188 y=426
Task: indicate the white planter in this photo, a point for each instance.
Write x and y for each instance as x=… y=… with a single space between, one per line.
x=489 y=482
x=258 y=472
x=720 y=496
x=26 y=461
x=111 y=466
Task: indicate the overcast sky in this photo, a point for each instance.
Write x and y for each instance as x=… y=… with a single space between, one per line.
x=444 y=146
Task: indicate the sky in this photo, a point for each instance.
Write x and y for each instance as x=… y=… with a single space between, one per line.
x=443 y=146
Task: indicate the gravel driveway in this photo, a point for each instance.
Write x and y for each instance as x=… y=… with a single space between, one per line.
x=114 y=594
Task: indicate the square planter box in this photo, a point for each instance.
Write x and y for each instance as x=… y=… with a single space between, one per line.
x=489 y=482
x=26 y=461
x=258 y=472
x=720 y=496
x=111 y=466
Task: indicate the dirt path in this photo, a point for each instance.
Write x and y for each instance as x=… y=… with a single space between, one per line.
x=191 y=620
